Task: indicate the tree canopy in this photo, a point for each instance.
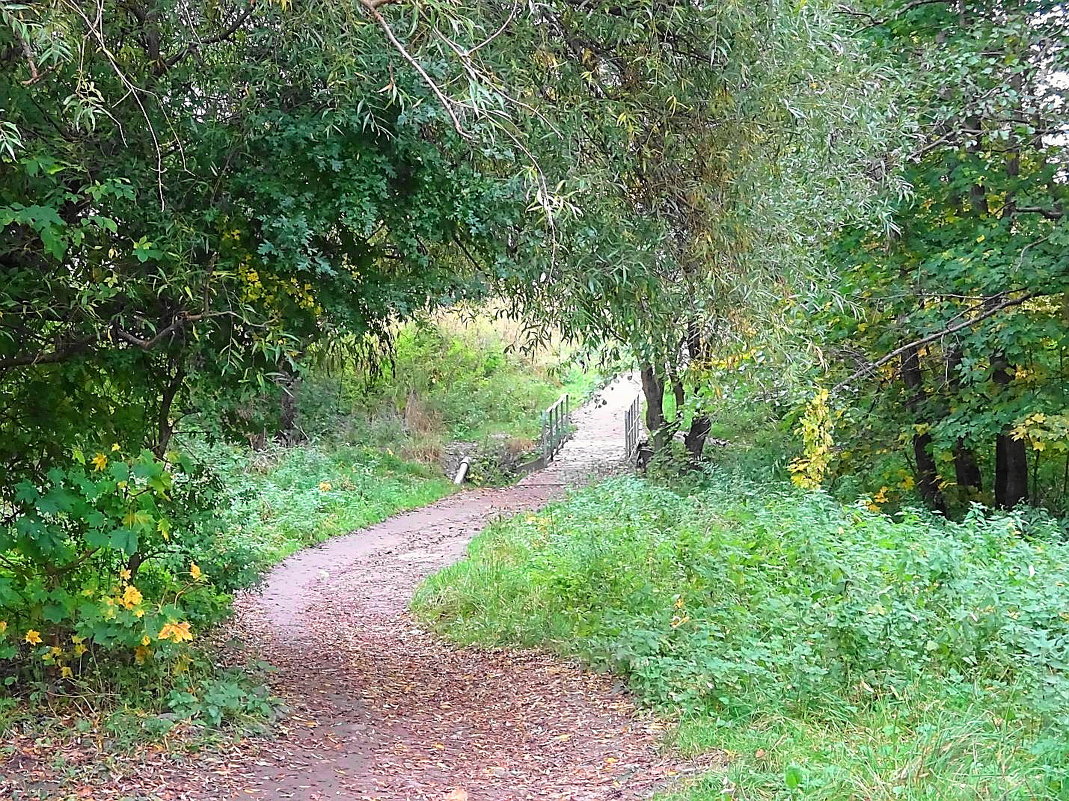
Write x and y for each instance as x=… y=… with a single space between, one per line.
x=197 y=197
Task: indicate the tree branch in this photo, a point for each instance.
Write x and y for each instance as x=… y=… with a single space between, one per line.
x=917 y=343
x=372 y=7
x=224 y=34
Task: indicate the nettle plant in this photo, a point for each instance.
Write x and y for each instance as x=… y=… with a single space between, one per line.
x=97 y=557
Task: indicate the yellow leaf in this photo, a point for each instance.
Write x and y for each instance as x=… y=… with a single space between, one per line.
x=100 y=461
x=132 y=597
x=195 y=571
x=33 y=637
x=176 y=632
x=3 y=626
x=66 y=672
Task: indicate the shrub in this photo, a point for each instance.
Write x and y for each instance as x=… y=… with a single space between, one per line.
x=117 y=555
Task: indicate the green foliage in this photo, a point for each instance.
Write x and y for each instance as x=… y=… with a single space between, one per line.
x=285 y=499
x=973 y=265
x=221 y=697
x=447 y=378
x=476 y=388
x=750 y=604
x=178 y=226
x=99 y=562
x=243 y=219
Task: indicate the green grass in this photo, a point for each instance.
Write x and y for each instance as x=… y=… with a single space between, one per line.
x=289 y=498
x=833 y=653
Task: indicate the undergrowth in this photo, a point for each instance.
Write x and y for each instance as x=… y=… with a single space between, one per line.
x=832 y=652
x=287 y=498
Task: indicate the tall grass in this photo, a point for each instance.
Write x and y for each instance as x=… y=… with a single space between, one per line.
x=833 y=652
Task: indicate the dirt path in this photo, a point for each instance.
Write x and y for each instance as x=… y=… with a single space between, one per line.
x=384 y=710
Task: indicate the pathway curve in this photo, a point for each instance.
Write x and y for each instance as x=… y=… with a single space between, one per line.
x=384 y=710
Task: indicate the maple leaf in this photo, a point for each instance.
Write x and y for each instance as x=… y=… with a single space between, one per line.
x=33 y=637
x=132 y=597
x=175 y=632
x=100 y=461
x=195 y=571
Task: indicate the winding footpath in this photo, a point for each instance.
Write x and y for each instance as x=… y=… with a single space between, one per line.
x=381 y=710
x=384 y=710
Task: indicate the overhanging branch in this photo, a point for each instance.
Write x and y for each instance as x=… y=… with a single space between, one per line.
x=869 y=369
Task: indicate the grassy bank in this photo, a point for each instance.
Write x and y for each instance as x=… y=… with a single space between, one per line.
x=833 y=652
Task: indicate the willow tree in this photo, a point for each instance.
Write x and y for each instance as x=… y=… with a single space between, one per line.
x=682 y=154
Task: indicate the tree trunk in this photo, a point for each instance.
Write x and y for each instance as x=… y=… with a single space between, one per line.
x=1011 y=455
x=700 y=424
x=1011 y=471
x=164 y=424
x=287 y=409
x=966 y=467
x=694 y=439
x=927 y=470
x=653 y=389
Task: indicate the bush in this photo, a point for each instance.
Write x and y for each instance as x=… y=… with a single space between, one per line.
x=117 y=558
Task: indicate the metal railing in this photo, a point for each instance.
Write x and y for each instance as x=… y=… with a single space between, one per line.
x=632 y=427
x=556 y=426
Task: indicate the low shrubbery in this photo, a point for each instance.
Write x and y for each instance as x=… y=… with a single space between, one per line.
x=114 y=559
x=838 y=652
